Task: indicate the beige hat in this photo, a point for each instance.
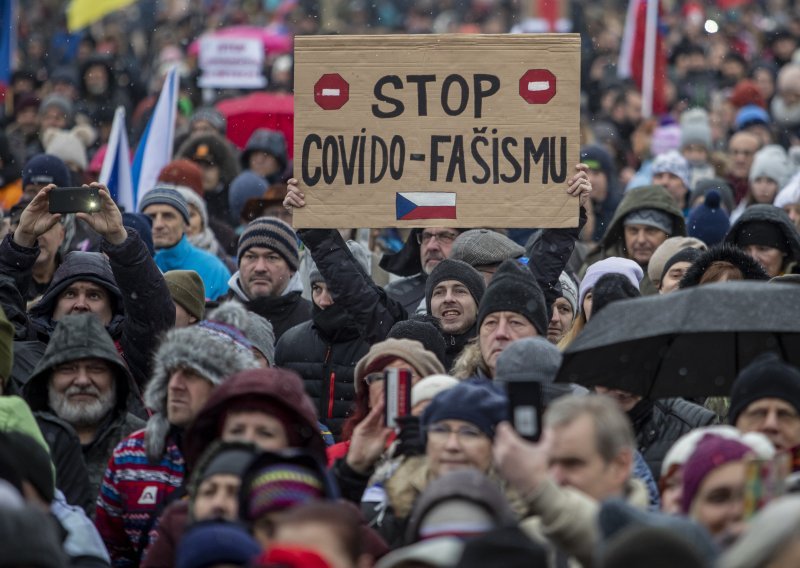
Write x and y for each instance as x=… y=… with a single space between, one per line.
x=429 y=387
x=423 y=361
x=667 y=250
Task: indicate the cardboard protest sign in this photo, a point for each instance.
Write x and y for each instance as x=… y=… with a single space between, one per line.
x=432 y=130
x=231 y=63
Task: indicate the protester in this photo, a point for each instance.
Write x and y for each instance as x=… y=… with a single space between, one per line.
x=675 y=269
x=721 y=263
x=188 y=294
x=265 y=155
x=767 y=234
x=168 y=210
x=267 y=281
x=665 y=251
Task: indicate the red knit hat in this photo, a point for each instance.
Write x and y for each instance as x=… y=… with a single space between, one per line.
x=746 y=93
x=711 y=453
x=183 y=172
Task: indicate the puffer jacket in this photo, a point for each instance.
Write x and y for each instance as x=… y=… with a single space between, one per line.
x=659 y=424
x=325 y=350
x=613 y=242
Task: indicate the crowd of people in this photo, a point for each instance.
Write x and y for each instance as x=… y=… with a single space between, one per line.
x=198 y=384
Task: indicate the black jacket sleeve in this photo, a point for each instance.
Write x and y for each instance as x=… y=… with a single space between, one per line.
x=366 y=302
x=16 y=265
x=549 y=256
x=149 y=311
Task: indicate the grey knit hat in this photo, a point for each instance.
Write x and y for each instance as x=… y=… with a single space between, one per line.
x=271 y=233
x=165 y=195
x=569 y=291
x=212 y=116
x=359 y=252
x=532 y=359
x=255 y=328
x=652 y=218
x=481 y=247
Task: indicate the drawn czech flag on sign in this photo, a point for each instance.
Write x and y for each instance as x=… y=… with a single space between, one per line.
x=425 y=205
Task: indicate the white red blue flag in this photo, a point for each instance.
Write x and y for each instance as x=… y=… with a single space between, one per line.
x=414 y=205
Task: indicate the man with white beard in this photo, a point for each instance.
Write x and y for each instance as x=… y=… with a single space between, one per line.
x=82 y=380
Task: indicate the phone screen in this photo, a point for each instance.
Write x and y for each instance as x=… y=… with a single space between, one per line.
x=74 y=200
x=525 y=408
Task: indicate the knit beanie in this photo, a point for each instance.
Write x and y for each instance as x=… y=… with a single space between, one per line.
x=767 y=376
x=257 y=329
x=751 y=115
x=650 y=217
x=274 y=234
x=708 y=221
x=711 y=453
x=6 y=347
x=746 y=93
x=684 y=255
x=183 y=172
x=164 y=195
x=227 y=461
x=598 y=159
x=480 y=404
x=764 y=233
x=457 y=270
x=429 y=387
x=665 y=251
x=244 y=187
x=613 y=264
x=44 y=169
x=789 y=195
x=187 y=289
x=215 y=543
x=514 y=289
x=212 y=116
x=280 y=486
x=695 y=128
x=703 y=186
x=424 y=329
x=610 y=288
x=69 y=145
x=569 y=291
x=674 y=163
x=535 y=360
x=142 y=224
x=61 y=102
x=665 y=138
x=195 y=200
x=360 y=254
x=412 y=352
x=481 y=247
x=771 y=162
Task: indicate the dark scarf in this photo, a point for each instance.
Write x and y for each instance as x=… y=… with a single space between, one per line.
x=334 y=323
x=640 y=414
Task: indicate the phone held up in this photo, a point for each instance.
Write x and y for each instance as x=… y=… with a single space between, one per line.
x=74 y=200
x=525 y=408
x=397 y=394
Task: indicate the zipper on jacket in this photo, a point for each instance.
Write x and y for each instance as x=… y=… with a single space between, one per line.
x=331 y=387
x=331 y=379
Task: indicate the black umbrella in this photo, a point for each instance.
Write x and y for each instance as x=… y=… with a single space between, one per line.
x=690 y=343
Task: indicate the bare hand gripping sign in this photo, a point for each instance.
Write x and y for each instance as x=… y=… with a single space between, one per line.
x=431 y=130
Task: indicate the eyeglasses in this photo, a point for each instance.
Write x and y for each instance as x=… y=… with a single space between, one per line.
x=444 y=237
x=465 y=434
x=373 y=378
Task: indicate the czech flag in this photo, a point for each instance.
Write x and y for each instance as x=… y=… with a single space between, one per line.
x=116 y=171
x=425 y=205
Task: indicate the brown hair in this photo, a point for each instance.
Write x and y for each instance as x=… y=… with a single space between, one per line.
x=720 y=271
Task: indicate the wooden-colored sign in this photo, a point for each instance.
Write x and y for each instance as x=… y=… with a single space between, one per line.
x=437 y=130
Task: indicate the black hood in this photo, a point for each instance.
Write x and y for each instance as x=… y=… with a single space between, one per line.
x=724 y=252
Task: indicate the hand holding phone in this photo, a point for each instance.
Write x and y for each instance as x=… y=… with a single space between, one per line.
x=75 y=200
x=525 y=408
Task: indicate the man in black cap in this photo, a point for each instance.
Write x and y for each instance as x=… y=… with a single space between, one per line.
x=452 y=294
x=766 y=398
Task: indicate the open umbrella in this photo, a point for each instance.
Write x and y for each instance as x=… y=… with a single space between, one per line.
x=690 y=343
x=259 y=110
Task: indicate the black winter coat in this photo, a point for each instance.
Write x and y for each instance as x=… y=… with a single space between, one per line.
x=325 y=350
x=659 y=424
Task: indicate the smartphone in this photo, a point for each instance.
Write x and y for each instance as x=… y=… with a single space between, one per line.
x=525 y=408
x=74 y=200
x=396 y=394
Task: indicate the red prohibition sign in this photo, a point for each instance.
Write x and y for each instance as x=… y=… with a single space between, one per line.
x=331 y=92
x=537 y=86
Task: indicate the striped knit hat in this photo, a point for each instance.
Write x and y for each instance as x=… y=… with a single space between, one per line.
x=274 y=234
x=165 y=195
x=281 y=486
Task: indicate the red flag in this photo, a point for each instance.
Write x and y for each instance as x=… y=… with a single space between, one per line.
x=649 y=76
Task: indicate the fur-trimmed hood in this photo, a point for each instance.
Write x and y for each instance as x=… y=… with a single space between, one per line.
x=768 y=214
x=749 y=267
x=214 y=352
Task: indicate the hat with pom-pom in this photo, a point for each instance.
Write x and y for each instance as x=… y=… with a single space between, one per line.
x=708 y=221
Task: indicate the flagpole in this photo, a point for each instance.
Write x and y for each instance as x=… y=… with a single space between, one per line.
x=649 y=67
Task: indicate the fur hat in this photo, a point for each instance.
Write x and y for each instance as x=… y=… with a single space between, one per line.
x=457 y=270
x=257 y=329
x=70 y=145
x=481 y=247
x=723 y=252
x=214 y=351
x=514 y=289
x=423 y=361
